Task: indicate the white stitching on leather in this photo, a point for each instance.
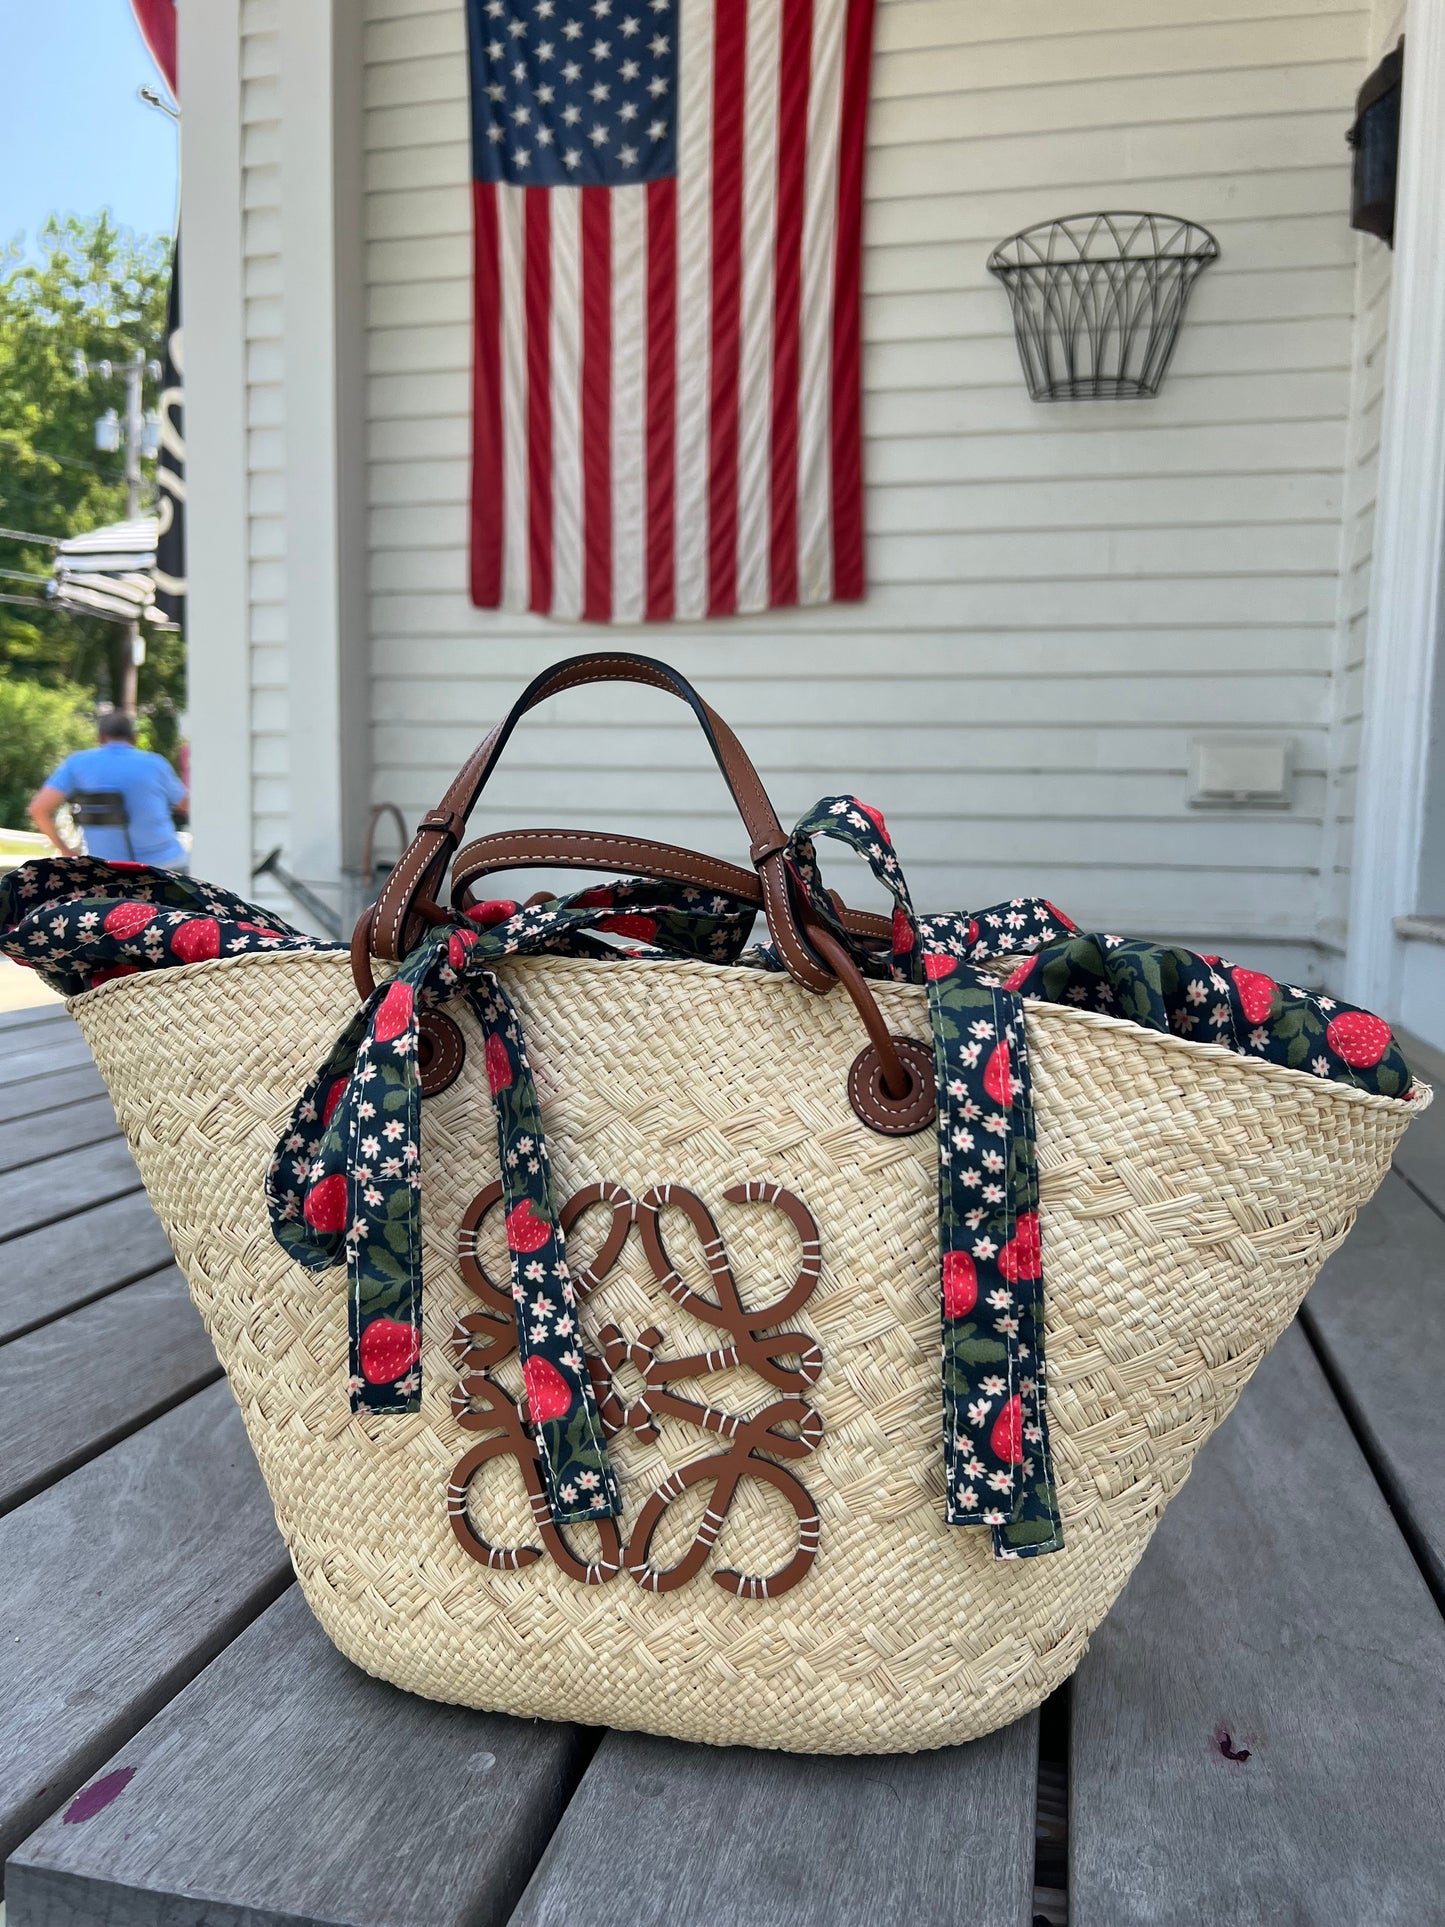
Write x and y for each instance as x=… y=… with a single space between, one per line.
x=722 y=878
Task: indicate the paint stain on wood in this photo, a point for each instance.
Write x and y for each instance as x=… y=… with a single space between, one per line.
x=1225 y=1741
x=98 y=1796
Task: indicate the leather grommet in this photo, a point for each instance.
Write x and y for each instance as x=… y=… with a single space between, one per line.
x=894 y=1117
x=441 y=1050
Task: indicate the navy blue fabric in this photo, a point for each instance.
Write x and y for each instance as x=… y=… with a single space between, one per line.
x=567 y=93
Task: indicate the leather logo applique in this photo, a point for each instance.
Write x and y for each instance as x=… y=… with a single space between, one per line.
x=753 y=1445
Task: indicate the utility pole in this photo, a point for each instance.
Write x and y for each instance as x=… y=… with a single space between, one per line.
x=135 y=649
x=140 y=435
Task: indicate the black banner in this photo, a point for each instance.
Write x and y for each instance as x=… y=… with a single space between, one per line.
x=171 y=466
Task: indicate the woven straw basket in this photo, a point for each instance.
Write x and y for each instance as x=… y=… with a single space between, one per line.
x=1188 y=1198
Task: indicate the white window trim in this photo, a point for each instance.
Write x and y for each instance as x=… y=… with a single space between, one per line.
x=1406 y=577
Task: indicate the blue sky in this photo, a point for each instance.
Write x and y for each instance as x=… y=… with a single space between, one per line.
x=73 y=136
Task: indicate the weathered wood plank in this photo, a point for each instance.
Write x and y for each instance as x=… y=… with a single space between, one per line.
x=1377 y=1314
x=1277 y=1613
x=82 y=1382
x=284 y=1786
x=33 y=1017
x=34 y=1095
x=66 y=1265
x=659 y=1832
x=70 y=1181
x=26 y=1140
x=119 y=1588
x=37 y=1053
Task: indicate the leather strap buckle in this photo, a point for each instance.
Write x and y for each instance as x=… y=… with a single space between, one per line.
x=450 y=823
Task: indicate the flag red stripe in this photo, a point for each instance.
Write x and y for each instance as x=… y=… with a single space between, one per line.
x=487 y=503
x=661 y=397
x=847 y=430
x=597 y=403
x=538 y=295
x=796 y=60
x=729 y=83
x=157 y=22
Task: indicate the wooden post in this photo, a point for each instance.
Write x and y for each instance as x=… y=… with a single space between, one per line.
x=214 y=302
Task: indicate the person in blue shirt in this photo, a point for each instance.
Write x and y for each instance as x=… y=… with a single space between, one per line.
x=147 y=785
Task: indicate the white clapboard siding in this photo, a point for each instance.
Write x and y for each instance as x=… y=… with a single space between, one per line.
x=1059 y=596
x=265 y=356
x=1367 y=392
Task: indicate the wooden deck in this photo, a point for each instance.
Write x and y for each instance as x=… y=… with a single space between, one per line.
x=1258 y=1733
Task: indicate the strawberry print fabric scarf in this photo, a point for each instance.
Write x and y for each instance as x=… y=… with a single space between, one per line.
x=344 y=1185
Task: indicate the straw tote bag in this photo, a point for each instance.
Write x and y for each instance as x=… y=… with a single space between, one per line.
x=682 y=1366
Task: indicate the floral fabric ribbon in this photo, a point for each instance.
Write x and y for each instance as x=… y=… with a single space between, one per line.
x=344 y=1184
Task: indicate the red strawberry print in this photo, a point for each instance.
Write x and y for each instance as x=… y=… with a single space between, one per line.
x=499 y=1065
x=325 y=1206
x=494 y=910
x=389 y=1349
x=1007 y=1436
x=936 y=964
x=393 y=1013
x=112 y=970
x=197 y=939
x=1058 y=916
x=902 y=933
x=972 y=932
x=458 y=944
x=630 y=923
x=333 y=1098
x=548 y=1393
x=1210 y=960
x=1022 y=1257
x=259 y=929
x=1359 y=1038
x=128 y=919
x=524 y=1232
x=1018 y=978
x=960 y=1284
x=875 y=817
x=599 y=897
x=998 y=1077
x=1256 y=994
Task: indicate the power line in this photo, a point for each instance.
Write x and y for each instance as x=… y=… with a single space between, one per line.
x=29 y=535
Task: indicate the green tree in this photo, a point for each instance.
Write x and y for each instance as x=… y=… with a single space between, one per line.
x=98 y=290
x=39 y=726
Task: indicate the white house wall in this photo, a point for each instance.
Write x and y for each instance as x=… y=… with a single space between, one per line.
x=1060 y=596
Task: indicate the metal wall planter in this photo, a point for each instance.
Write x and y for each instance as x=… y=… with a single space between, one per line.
x=1098 y=300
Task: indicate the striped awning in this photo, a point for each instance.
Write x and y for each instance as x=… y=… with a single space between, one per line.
x=111 y=573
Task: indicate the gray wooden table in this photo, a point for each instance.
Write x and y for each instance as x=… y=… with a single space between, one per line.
x=1257 y=1734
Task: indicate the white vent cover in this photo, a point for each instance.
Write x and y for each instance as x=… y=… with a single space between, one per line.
x=1239 y=772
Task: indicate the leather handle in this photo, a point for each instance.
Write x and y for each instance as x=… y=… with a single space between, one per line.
x=641 y=856
x=399 y=922
x=625 y=856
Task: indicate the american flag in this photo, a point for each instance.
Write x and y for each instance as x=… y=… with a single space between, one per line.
x=668 y=207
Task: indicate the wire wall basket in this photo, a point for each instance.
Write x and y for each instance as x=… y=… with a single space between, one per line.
x=1098 y=299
